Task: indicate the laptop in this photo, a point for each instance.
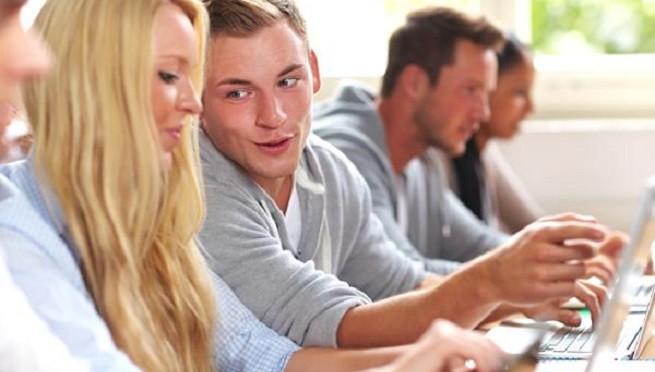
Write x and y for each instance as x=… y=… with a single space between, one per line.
x=633 y=263
x=620 y=333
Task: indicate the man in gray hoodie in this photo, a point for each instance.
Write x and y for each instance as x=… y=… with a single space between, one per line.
x=440 y=70
x=289 y=222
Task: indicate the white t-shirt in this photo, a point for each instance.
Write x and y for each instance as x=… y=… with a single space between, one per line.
x=293 y=218
x=401 y=197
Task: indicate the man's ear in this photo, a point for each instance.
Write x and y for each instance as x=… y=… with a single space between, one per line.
x=413 y=82
x=316 y=73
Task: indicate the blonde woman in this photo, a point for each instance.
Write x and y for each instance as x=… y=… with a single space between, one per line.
x=110 y=146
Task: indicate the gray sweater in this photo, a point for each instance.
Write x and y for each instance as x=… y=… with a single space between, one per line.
x=246 y=239
x=440 y=228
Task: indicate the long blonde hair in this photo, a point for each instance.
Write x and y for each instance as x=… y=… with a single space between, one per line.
x=132 y=219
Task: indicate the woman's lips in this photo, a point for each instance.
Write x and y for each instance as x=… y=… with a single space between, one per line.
x=175 y=132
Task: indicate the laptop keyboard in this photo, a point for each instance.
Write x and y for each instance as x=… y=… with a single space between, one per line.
x=643 y=293
x=582 y=340
x=569 y=339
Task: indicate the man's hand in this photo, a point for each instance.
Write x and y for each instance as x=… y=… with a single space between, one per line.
x=592 y=295
x=536 y=265
x=606 y=262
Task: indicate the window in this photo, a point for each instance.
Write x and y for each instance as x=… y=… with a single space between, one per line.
x=576 y=43
x=350 y=37
x=564 y=27
x=593 y=56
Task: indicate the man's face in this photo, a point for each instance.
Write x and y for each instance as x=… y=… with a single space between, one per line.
x=257 y=100
x=451 y=111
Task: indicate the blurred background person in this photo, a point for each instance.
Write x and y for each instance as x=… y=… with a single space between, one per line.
x=482 y=177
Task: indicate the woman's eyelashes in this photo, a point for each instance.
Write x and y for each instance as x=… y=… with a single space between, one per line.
x=167 y=77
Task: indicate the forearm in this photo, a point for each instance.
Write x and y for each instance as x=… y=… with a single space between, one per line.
x=330 y=360
x=462 y=298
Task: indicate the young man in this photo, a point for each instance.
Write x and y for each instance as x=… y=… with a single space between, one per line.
x=440 y=70
x=290 y=226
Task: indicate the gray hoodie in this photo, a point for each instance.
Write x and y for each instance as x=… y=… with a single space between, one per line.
x=440 y=229
x=302 y=294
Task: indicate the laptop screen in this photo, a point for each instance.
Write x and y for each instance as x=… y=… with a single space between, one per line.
x=633 y=262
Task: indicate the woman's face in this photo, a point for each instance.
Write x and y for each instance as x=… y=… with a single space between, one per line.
x=175 y=54
x=511 y=102
x=23 y=54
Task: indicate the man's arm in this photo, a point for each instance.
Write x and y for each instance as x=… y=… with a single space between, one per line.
x=292 y=297
x=342 y=360
x=530 y=268
x=445 y=347
x=243 y=343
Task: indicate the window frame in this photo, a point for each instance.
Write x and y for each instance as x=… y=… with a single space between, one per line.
x=607 y=86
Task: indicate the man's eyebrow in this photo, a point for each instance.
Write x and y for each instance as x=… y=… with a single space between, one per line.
x=238 y=81
x=234 y=81
x=289 y=69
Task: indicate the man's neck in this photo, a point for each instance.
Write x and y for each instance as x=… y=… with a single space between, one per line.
x=279 y=189
x=481 y=139
x=401 y=134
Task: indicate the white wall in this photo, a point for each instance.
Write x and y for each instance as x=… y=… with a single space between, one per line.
x=592 y=166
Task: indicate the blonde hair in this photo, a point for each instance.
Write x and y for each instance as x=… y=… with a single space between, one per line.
x=132 y=219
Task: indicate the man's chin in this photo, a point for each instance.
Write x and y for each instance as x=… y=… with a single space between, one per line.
x=458 y=151
x=453 y=151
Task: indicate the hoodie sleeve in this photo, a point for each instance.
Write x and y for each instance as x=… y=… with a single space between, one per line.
x=243 y=247
x=371 y=165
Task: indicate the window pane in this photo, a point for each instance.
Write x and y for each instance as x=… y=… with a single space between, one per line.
x=350 y=37
x=575 y=27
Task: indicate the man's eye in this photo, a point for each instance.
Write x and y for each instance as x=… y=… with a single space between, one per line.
x=289 y=82
x=237 y=94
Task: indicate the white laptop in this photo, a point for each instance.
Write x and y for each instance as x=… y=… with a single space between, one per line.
x=616 y=311
x=620 y=333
